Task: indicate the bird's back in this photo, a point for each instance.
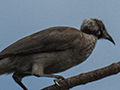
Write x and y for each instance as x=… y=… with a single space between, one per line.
x=47 y=40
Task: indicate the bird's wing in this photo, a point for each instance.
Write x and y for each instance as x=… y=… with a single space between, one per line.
x=48 y=40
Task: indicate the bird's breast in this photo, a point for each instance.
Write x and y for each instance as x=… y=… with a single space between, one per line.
x=83 y=51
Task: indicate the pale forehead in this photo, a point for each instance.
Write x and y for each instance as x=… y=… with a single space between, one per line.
x=88 y=20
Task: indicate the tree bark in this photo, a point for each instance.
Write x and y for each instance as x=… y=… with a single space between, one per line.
x=84 y=78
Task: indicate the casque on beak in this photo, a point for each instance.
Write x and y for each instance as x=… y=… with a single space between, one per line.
x=108 y=37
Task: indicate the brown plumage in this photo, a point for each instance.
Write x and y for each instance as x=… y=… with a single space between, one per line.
x=51 y=50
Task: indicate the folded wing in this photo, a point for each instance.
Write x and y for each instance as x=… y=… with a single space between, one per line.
x=48 y=40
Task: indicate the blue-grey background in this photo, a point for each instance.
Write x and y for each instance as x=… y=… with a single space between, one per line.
x=19 y=18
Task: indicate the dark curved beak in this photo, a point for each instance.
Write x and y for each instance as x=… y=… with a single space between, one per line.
x=108 y=37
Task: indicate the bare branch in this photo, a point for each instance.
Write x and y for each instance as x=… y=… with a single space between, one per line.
x=84 y=78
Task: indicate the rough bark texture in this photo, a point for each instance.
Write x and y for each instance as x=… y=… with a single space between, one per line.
x=84 y=78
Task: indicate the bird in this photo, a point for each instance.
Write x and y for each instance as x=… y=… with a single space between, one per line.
x=52 y=50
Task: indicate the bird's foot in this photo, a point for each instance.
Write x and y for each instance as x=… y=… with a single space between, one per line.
x=58 y=80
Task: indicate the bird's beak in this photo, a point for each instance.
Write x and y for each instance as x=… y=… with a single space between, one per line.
x=108 y=37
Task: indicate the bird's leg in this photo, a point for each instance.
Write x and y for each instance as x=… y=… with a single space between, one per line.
x=18 y=78
x=52 y=76
x=58 y=78
x=55 y=76
x=37 y=70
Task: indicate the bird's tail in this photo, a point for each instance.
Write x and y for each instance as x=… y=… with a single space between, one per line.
x=6 y=66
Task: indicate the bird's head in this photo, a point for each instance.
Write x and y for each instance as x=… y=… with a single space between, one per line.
x=97 y=28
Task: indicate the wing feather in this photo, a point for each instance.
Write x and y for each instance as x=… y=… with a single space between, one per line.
x=48 y=40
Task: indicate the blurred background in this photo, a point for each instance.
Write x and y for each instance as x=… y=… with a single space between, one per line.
x=19 y=18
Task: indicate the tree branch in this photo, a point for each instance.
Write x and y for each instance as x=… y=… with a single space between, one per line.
x=84 y=78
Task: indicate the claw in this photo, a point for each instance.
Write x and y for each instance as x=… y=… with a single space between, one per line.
x=57 y=82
